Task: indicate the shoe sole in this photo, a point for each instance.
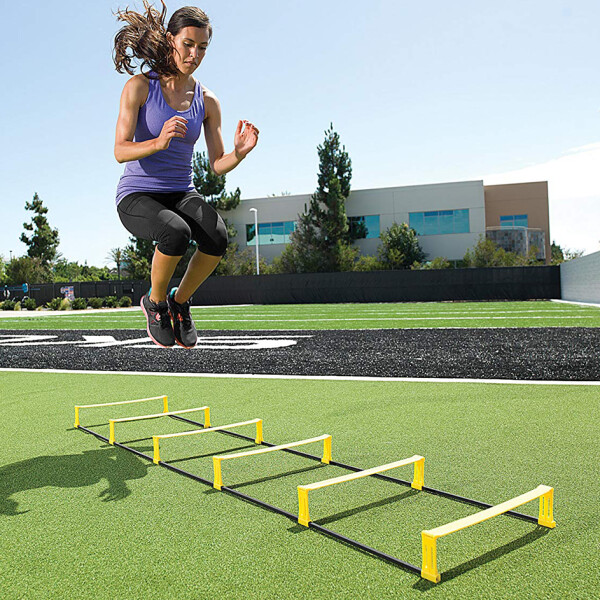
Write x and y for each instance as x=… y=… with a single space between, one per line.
x=148 y=326
x=176 y=340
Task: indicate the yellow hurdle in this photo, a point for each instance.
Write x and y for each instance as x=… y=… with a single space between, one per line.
x=218 y=478
x=156 y=438
x=111 y=422
x=429 y=567
x=417 y=483
x=163 y=398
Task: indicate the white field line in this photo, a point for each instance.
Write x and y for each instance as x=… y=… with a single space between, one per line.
x=305 y=377
x=592 y=304
x=453 y=318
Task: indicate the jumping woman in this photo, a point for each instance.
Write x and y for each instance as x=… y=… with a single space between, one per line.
x=160 y=118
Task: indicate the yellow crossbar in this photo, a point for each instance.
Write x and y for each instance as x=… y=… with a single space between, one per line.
x=156 y=438
x=543 y=492
x=163 y=398
x=417 y=483
x=218 y=479
x=111 y=422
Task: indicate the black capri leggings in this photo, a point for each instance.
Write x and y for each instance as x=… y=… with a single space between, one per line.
x=173 y=219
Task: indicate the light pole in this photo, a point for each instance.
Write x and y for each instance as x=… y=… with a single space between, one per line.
x=255 y=211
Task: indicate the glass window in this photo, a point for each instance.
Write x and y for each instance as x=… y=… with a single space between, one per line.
x=415 y=221
x=446 y=220
x=440 y=222
x=431 y=223
x=461 y=221
x=511 y=221
x=277 y=233
x=250 y=235
x=372 y=223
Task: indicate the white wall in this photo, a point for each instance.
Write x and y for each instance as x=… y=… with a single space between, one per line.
x=392 y=204
x=580 y=279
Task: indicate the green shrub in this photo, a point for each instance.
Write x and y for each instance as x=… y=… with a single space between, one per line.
x=54 y=304
x=8 y=305
x=125 y=301
x=368 y=263
x=94 y=302
x=65 y=304
x=78 y=304
x=110 y=301
x=17 y=305
x=29 y=304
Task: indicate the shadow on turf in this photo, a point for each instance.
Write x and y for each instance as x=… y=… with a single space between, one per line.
x=278 y=476
x=423 y=585
x=71 y=471
x=355 y=511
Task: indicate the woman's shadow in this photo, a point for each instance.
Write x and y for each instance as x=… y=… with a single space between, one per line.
x=71 y=471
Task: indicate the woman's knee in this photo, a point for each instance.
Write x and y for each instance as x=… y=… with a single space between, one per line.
x=174 y=238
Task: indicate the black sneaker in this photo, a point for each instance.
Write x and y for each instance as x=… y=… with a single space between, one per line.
x=183 y=326
x=159 y=326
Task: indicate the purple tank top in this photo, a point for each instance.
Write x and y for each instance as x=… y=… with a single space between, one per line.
x=167 y=170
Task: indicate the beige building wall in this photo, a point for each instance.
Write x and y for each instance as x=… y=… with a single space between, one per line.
x=529 y=199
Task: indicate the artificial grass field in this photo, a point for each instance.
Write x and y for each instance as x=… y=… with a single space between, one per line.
x=335 y=316
x=81 y=519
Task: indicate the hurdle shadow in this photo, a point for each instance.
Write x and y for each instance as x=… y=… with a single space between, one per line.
x=71 y=471
x=354 y=511
x=423 y=585
x=209 y=454
x=278 y=476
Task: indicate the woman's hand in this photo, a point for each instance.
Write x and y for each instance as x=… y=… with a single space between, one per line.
x=245 y=141
x=174 y=127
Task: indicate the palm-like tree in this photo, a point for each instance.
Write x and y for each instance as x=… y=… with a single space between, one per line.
x=115 y=255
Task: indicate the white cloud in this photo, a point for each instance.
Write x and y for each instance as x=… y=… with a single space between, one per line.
x=574 y=194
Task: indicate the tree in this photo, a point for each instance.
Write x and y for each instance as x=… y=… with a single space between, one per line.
x=211 y=186
x=44 y=241
x=63 y=270
x=559 y=255
x=321 y=241
x=27 y=269
x=399 y=247
x=115 y=255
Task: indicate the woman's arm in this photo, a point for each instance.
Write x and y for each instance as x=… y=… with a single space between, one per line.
x=133 y=97
x=244 y=141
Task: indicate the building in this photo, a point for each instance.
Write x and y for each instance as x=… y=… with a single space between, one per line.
x=448 y=217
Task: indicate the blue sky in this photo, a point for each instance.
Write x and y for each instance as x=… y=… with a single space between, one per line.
x=420 y=93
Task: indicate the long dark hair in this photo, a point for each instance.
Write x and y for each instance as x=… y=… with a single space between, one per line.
x=146 y=38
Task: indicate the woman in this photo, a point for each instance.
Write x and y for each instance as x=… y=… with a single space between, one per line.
x=160 y=118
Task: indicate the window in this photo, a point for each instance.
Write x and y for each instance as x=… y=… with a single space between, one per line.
x=270 y=233
x=512 y=221
x=440 y=222
x=371 y=226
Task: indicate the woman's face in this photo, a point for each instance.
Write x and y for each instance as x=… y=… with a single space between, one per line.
x=189 y=48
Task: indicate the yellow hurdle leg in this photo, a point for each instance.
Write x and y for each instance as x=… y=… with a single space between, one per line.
x=111 y=435
x=76 y=416
x=259 y=432
x=156 y=458
x=303 y=516
x=207 y=417
x=419 y=477
x=545 y=517
x=165 y=404
x=326 y=450
x=218 y=478
x=429 y=567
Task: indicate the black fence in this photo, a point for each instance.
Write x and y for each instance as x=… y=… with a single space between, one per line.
x=499 y=283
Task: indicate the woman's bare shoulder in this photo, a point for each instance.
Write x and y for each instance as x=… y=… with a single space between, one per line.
x=211 y=103
x=137 y=88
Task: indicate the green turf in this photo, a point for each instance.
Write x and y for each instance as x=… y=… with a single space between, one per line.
x=337 y=316
x=81 y=519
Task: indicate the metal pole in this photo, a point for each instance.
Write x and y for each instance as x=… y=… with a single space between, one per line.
x=255 y=211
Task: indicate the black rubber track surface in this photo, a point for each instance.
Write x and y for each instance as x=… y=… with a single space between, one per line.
x=525 y=353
